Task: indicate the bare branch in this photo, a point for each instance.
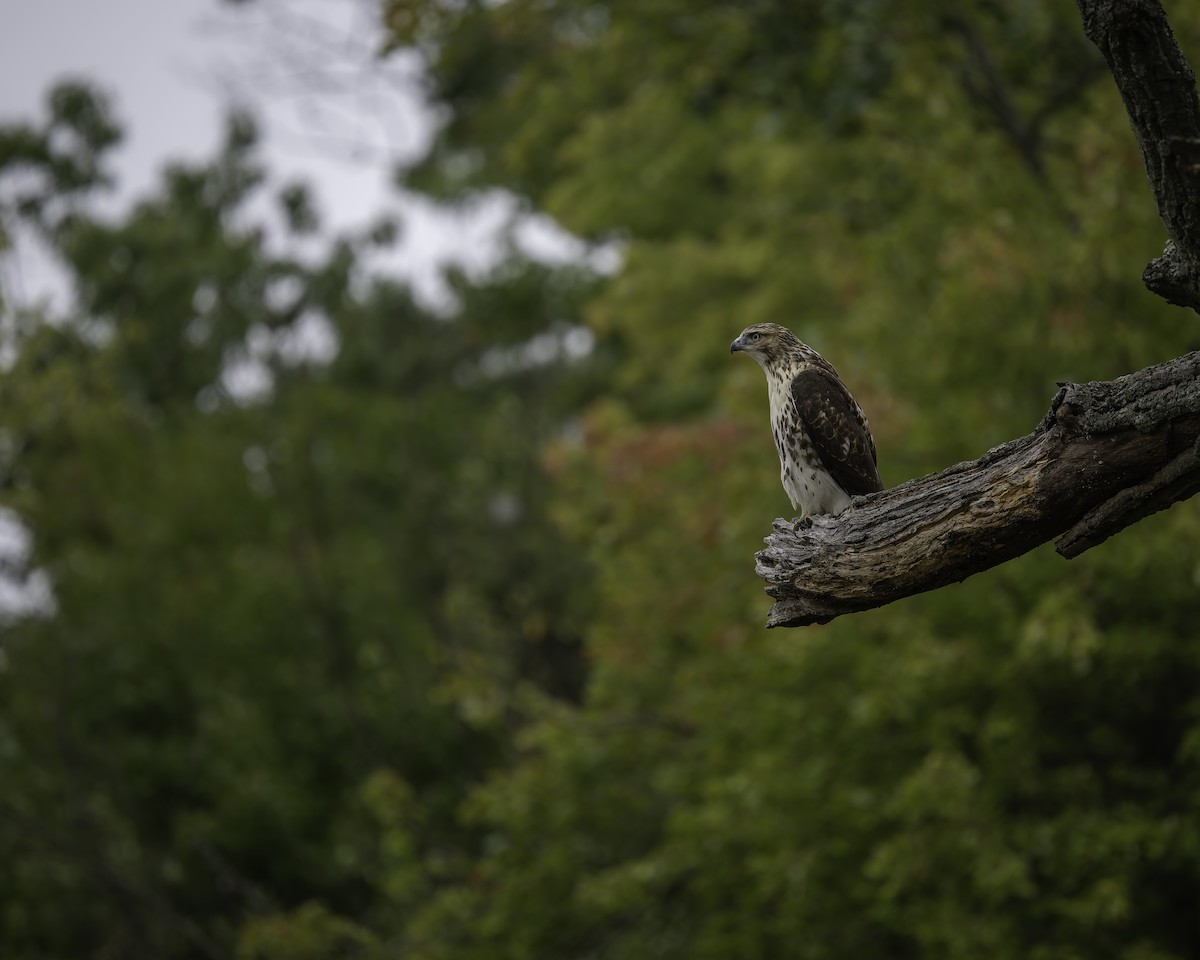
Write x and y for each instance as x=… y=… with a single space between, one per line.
x=1159 y=91
x=1105 y=456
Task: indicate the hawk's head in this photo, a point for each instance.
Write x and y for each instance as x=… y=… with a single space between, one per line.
x=771 y=345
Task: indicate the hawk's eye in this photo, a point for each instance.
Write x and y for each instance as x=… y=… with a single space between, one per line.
x=755 y=337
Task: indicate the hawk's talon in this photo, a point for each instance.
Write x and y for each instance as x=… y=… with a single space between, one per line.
x=804 y=523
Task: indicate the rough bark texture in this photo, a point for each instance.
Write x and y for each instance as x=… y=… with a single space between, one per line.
x=1159 y=90
x=1105 y=456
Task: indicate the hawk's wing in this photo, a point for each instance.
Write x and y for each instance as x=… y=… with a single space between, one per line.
x=840 y=439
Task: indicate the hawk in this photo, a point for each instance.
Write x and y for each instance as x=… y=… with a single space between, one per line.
x=826 y=453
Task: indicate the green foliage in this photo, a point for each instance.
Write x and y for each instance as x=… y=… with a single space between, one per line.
x=449 y=647
x=276 y=614
x=310 y=932
x=996 y=769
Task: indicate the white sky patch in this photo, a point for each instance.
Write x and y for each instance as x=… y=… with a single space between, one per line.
x=567 y=342
x=334 y=114
x=541 y=239
x=316 y=66
x=310 y=340
x=247 y=377
x=15 y=541
x=23 y=592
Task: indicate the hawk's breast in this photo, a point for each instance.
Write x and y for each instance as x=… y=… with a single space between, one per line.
x=807 y=483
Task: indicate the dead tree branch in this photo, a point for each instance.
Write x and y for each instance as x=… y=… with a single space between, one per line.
x=1159 y=91
x=1105 y=456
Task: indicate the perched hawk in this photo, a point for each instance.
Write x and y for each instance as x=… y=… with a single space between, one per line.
x=826 y=453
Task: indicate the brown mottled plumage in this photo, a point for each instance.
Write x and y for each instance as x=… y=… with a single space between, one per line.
x=826 y=453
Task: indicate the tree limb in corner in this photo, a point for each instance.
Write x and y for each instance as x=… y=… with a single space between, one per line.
x=1105 y=456
x=1159 y=91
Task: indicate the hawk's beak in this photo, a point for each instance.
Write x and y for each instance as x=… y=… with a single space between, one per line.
x=736 y=346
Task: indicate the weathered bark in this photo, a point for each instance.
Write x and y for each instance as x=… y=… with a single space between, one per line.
x=1106 y=455
x=1159 y=91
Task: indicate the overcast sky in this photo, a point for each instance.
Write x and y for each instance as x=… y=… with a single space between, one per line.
x=139 y=50
x=331 y=112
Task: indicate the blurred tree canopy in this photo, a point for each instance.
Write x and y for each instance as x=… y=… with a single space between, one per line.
x=447 y=646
